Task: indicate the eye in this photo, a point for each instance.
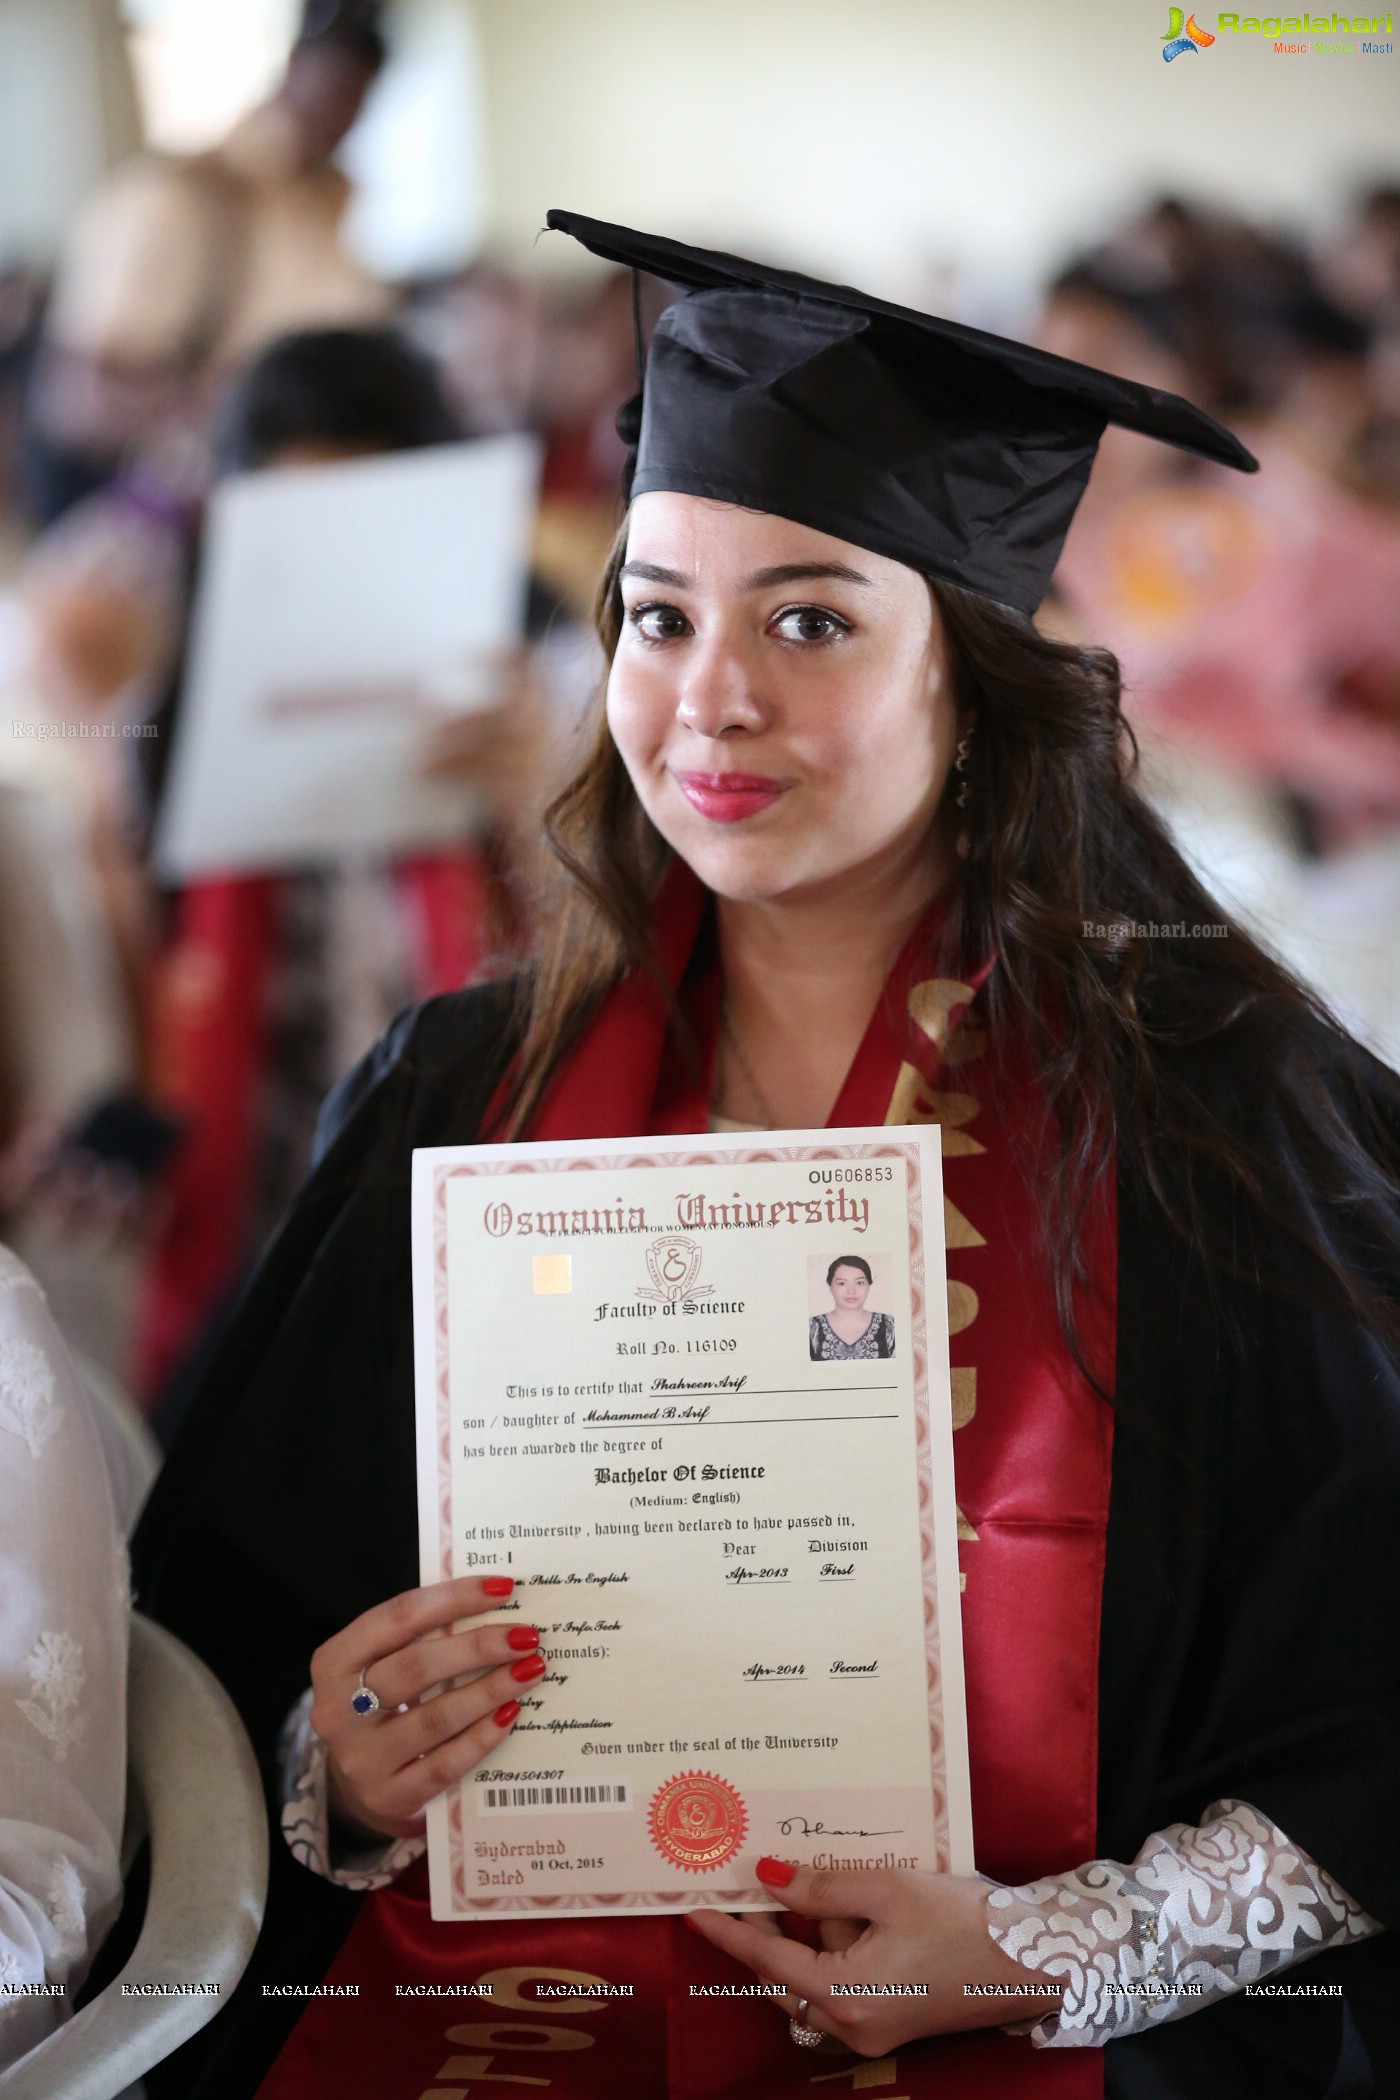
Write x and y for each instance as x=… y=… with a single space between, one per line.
x=658 y=623
x=809 y=625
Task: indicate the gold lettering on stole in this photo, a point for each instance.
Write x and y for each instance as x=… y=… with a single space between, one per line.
x=865 y=2078
x=959 y=1231
x=962 y=1306
x=913 y=1101
x=932 y=1005
x=538 y=2034
x=505 y=1985
x=495 y=2034
x=477 y=2067
x=950 y=1112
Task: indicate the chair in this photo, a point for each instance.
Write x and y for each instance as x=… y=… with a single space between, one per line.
x=193 y=1785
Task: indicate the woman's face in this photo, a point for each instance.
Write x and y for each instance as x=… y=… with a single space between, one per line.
x=850 y=1288
x=781 y=701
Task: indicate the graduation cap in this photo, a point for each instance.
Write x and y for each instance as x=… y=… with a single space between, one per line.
x=959 y=453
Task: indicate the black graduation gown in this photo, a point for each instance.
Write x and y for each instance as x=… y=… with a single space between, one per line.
x=1249 y=1607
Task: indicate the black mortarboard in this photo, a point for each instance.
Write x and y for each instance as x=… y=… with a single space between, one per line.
x=960 y=453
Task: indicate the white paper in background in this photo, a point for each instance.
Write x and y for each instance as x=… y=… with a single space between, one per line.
x=341 y=610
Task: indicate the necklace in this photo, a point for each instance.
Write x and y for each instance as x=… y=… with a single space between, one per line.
x=726 y=1021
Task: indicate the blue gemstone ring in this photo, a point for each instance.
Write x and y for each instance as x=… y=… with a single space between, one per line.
x=363 y=1699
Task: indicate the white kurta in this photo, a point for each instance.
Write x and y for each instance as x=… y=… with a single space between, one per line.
x=64 y=1606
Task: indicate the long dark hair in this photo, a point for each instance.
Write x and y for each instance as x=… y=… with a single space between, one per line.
x=1116 y=971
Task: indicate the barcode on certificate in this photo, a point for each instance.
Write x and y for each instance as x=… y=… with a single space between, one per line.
x=508 y=1800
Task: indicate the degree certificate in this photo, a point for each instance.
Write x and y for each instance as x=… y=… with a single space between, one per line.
x=693 y=1394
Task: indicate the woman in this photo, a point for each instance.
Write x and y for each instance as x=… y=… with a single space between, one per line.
x=1259 y=622
x=272 y=986
x=856 y=843
x=848 y=1330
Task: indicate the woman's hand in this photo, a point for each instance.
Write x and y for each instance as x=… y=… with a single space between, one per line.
x=882 y=1927
x=500 y=751
x=385 y=1767
x=74 y=1193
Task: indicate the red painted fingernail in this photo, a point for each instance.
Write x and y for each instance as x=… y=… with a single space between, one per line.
x=523 y=1637
x=498 y=1585
x=774 y=1873
x=504 y=1715
x=528 y=1668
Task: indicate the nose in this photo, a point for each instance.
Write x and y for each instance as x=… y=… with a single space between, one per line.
x=717 y=695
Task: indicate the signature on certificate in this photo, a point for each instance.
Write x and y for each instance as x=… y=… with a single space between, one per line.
x=803 y=1828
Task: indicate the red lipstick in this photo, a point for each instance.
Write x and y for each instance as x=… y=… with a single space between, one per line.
x=727 y=798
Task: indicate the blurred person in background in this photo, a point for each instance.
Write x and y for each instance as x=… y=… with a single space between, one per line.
x=1358 y=266
x=587 y=370
x=1259 y=621
x=104 y=593
x=92 y=627
x=182 y=267
x=272 y=986
x=65 y=1501
x=1258 y=625
x=21 y=302
x=559 y=360
x=483 y=328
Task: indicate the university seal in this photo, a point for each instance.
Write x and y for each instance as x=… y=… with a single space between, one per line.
x=697 y=1821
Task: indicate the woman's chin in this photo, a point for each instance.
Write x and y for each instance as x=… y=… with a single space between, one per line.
x=749 y=871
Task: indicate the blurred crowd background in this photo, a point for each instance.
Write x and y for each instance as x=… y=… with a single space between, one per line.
x=243 y=234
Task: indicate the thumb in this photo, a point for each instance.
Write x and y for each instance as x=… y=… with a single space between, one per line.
x=820 y=1892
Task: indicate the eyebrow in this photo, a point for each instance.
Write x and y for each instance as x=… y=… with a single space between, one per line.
x=761 y=580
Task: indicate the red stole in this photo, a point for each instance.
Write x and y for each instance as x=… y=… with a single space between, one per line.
x=208 y=1048
x=1032 y=1448
x=209 y=1035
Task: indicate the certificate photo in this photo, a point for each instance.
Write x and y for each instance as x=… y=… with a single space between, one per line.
x=845 y=1298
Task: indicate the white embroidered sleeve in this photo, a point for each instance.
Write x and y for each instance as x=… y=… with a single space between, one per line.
x=1202 y=1912
x=306 y=1816
x=63 y=1646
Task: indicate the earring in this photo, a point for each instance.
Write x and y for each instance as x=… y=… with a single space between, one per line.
x=962 y=845
x=960 y=765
